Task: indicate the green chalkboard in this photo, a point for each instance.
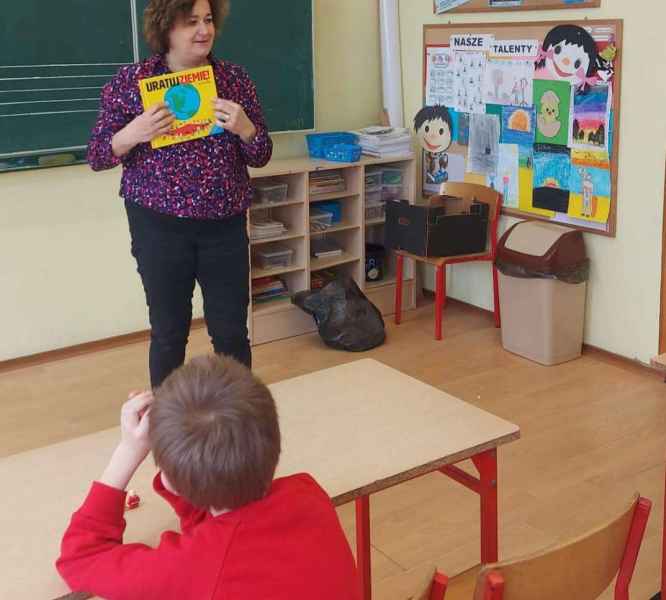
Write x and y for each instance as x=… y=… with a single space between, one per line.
x=56 y=56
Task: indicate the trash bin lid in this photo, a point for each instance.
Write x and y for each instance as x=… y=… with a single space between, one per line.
x=542 y=247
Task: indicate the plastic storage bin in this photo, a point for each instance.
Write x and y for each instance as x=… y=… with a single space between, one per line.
x=375 y=211
x=274 y=256
x=542 y=283
x=270 y=191
x=392 y=176
x=320 y=219
x=333 y=206
x=391 y=192
x=373 y=197
x=343 y=152
x=317 y=142
x=374 y=262
x=373 y=180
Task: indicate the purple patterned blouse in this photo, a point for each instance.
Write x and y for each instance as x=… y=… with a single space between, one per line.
x=201 y=179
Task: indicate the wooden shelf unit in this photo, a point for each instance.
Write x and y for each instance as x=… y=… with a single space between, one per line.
x=280 y=319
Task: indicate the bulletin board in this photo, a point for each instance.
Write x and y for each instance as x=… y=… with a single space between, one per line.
x=534 y=109
x=472 y=6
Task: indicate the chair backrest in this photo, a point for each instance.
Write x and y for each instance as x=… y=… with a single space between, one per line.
x=578 y=570
x=474 y=191
x=482 y=193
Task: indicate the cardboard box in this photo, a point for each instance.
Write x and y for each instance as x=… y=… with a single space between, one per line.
x=440 y=226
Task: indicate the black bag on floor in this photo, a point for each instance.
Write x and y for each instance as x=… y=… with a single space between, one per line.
x=346 y=319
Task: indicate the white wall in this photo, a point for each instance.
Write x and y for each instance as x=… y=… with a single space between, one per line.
x=67 y=276
x=623 y=295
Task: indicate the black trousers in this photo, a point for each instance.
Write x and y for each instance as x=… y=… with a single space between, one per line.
x=171 y=255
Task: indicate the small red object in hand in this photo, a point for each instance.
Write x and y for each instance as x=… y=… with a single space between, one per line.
x=133 y=500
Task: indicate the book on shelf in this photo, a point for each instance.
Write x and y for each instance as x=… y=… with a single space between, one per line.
x=325 y=248
x=324 y=182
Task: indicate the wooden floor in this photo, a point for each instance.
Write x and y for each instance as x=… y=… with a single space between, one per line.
x=593 y=431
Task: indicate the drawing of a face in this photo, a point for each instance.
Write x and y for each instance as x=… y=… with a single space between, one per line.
x=569 y=62
x=434 y=135
x=550 y=107
x=548 y=119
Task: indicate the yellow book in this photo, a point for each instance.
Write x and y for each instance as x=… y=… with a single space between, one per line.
x=189 y=95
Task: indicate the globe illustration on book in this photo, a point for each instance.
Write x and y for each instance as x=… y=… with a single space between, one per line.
x=183 y=100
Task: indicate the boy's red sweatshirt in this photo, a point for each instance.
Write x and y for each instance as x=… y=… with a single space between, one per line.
x=287 y=546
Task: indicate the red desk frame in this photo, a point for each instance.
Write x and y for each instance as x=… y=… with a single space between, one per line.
x=485 y=486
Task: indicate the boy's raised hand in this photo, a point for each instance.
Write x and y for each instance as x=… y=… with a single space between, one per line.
x=134 y=420
x=134 y=443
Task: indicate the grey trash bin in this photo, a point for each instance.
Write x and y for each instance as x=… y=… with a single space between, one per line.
x=542 y=283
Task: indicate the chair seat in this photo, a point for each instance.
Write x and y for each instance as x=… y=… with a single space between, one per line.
x=461 y=587
x=442 y=260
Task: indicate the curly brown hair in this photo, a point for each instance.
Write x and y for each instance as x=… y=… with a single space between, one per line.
x=161 y=15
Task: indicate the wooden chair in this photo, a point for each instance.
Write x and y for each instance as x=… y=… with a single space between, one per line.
x=468 y=191
x=577 y=570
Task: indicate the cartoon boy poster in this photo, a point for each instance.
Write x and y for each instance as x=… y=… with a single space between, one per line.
x=434 y=131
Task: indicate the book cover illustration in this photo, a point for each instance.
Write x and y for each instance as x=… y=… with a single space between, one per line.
x=189 y=95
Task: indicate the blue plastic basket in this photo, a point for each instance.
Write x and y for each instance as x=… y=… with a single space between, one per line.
x=343 y=152
x=318 y=142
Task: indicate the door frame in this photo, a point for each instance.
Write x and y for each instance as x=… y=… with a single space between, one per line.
x=662 y=318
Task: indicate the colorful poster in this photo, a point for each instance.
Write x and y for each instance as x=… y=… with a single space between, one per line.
x=518 y=125
x=508 y=81
x=506 y=180
x=590 y=186
x=469 y=70
x=551 y=180
x=552 y=104
x=189 y=95
x=484 y=134
x=591 y=116
x=440 y=76
x=444 y=5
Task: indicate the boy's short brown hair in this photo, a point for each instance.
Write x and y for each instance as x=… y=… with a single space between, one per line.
x=161 y=15
x=214 y=433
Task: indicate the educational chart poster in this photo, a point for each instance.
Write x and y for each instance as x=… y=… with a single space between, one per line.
x=189 y=95
x=441 y=77
x=552 y=104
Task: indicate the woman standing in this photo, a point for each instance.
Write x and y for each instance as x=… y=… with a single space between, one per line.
x=185 y=203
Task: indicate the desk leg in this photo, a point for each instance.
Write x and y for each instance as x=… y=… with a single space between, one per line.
x=486 y=463
x=400 y=259
x=663 y=553
x=363 y=545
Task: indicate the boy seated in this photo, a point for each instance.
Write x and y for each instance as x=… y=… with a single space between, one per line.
x=213 y=430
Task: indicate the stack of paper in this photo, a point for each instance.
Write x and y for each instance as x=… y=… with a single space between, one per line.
x=381 y=142
x=324 y=248
x=268 y=288
x=324 y=182
x=266 y=228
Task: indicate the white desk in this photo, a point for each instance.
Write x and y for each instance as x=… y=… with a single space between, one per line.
x=357 y=428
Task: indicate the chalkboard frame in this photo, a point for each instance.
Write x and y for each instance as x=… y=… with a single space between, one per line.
x=76 y=154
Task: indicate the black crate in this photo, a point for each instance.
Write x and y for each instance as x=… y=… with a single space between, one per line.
x=446 y=226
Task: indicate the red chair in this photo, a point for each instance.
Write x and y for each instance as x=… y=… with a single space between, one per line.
x=580 y=569
x=470 y=192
